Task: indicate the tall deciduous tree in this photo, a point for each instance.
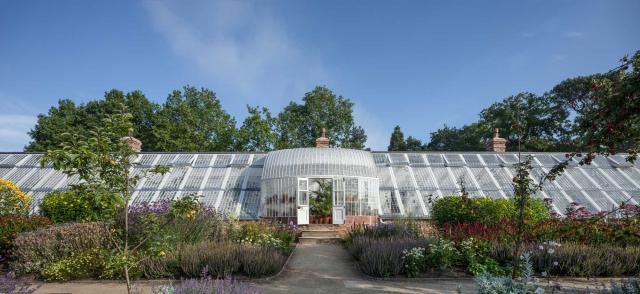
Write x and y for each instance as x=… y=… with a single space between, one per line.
x=69 y=117
x=413 y=144
x=257 y=131
x=193 y=120
x=396 y=142
x=299 y=124
x=468 y=138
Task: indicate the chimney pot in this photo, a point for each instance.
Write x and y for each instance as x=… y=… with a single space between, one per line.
x=134 y=143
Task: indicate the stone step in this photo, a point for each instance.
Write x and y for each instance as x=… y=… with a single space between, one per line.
x=318 y=240
x=321 y=233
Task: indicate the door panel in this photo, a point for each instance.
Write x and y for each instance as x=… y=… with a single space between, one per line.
x=338 y=211
x=302 y=200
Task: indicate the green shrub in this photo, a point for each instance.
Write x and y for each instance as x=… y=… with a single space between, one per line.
x=594 y=231
x=442 y=255
x=488 y=211
x=12 y=225
x=114 y=266
x=476 y=255
x=260 y=261
x=83 y=265
x=79 y=205
x=414 y=260
x=34 y=250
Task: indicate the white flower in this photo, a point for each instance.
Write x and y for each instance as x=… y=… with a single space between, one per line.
x=555 y=263
x=539 y=291
x=541 y=247
x=550 y=251
x=544 y=274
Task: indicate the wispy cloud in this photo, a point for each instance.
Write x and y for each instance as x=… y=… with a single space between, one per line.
x=238 y=45
x=573 y=34
x=13 y=131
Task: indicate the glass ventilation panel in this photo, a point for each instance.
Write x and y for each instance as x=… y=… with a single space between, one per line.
x=17 y=174
x=484 y=179
x=51 y=181
x=597 y=176
x=461 y=174
x=565 y=183
x=403 y=178
x=546 y=160
x=476 y=193
x=508 y=159
x=143 y=197
x=620 y=160
x=398 y=159
x=504 y=179
x=166 y=195
x=166 y=159
x=203 y=160
x=581 y=179
x=616 y=175
x=250 y=205
x=389 y=203
x=490 y=159
x=214 y=181
x=581 y=199
x=222 y=160
x=416 y=159
x=236 y=178
x=175 y=177
x=632 y=174
x=450 y=192
x=258 y=160
x=472 y=160
x=537 y=174
x=385 y=178
x=443 y=179
x=559 y=200
x=253 y=182
x=635 y=195
x=4 y=171
x=241 y=159
x=229 y=203
x=380 y=158
x=618 y=196
x=13 y=159
x=428 y=196
x=601 y=199
x=183 y=160
x=602 y=162
x=195 y=179
x=435 y=159
x=34 y=178
x=453 y=160
x=411 y=203
x=3 y=157
x=424 y=179
x=209 y=198
x=32 y=161
x=147 y=159
x=152 y=182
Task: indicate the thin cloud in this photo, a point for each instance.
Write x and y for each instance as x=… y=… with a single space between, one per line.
x=238 y=45
x=13 y=131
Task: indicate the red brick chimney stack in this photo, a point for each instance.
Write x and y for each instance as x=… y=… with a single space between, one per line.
x=323 y=141
x=497 y=144
x=134 y=143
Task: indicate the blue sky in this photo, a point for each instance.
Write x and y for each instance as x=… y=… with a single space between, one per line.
x=417 y=64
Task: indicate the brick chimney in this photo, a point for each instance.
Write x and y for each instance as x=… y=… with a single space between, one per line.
x=497 y=144
x=134 y=143
x=323 y=141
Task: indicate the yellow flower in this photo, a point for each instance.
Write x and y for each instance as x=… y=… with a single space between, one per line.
x=162 y=253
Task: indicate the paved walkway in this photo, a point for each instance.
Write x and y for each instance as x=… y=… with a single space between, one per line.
x=318 y=268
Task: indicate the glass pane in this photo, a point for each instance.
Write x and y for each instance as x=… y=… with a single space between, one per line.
x=303 y=198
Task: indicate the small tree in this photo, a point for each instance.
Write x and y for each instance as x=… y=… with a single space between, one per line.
x=103 y=162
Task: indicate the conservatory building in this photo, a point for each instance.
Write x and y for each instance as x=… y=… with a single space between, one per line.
x=346 y=185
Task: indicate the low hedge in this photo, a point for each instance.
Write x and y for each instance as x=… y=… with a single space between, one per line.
x=12 y=225
x=77 y=205
x=452 y=210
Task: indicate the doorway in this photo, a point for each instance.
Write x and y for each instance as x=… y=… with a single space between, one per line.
x=321 y=201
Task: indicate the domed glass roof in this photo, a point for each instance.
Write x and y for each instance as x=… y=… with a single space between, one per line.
x=309 y=162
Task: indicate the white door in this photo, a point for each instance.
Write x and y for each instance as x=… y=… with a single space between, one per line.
x=303 y=201
x=338 y=202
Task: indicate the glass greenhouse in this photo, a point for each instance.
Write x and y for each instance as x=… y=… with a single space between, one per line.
x=279 y=184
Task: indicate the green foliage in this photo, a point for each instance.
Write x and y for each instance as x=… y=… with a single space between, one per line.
x=80 y=265
x=264 y=234
x=396 y=143
x=476 y=255
x=257 y=132
x=299 y=125
x=12 y=225
x=442 y=255
x=488 y=211
x=33 y=251
x=595 y=231
x=496 y=284
x=320 y=202
x=80 y=204
x=467 y=138
x=193 y=120
x=627 y=286
x=114 y=266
